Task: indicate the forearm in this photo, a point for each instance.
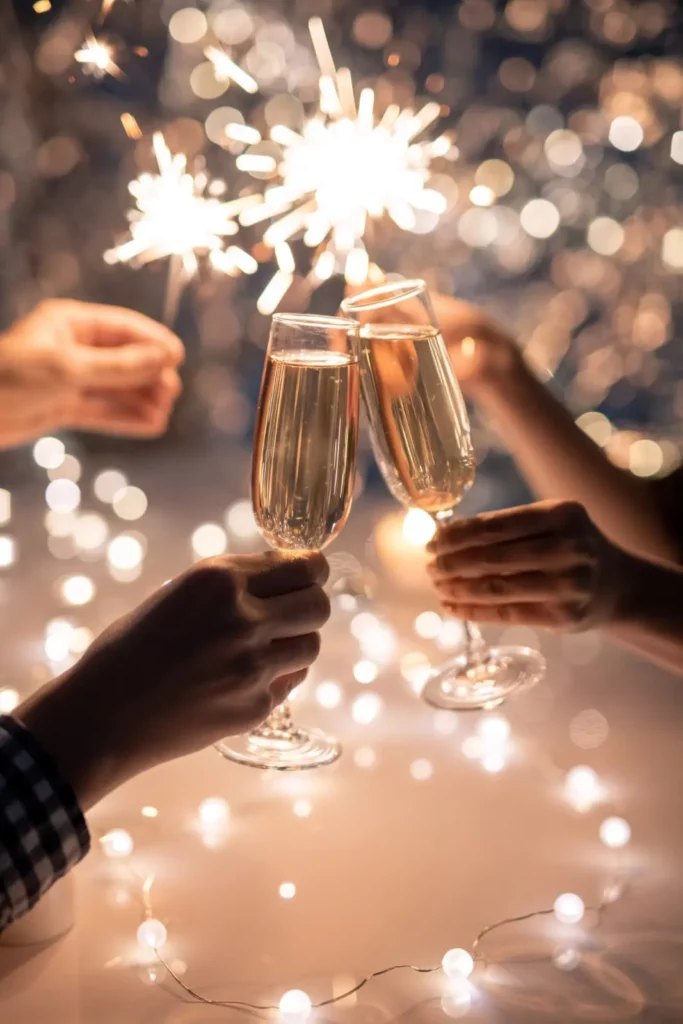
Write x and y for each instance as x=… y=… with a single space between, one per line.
x=561 y=462
x=650 y=618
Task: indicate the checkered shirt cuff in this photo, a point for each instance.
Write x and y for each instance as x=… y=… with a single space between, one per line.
x=42 y=830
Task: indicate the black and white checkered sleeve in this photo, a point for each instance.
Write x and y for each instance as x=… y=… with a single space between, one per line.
x=42 y=830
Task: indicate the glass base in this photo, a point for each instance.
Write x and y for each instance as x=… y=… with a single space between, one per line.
x=461 y=685
x=295 y=751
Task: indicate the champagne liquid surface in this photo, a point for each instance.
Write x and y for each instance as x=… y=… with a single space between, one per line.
x=418 y=420
x=305 y=447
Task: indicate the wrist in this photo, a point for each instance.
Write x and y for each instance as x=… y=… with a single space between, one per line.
x=78 y=741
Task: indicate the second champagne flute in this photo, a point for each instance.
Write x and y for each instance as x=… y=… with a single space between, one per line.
x=421 y=439
x=303 y=473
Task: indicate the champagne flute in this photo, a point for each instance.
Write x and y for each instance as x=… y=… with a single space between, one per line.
x=421 y=439
x=303 y=472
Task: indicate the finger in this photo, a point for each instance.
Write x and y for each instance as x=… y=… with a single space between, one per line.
x=526 y=586
x=540 y=553
x=104 y=416
x=274 y=574
x=111 y=326
x=501 y=526
x=507 y=614
x=120 y=367
x=160 y=394
x=303 y=611
x=294 y=654
x=281 y=687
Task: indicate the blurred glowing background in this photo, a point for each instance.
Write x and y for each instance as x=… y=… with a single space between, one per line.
x=562 y=188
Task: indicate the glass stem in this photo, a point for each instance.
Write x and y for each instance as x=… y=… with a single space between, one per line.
x=475 y=645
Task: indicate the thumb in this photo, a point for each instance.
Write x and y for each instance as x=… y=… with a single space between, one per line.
x=124 y=366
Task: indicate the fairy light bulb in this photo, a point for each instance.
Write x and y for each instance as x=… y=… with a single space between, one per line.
x=8 y=700
x=366 y=708
x=117 y=843
x=108 y=484
x=77 y=590
x=582 y=787
x=615 y=832
x=494 y=730
x=49 y=452
x=302 y=808
x=7 y=551
x=63 y=495
x=457 y=964
x=365 y=671
x=328 y=694
x=418 y=527
x=152 y=934
x=295 y=1006
x=288 y=890
x=214 y=812
x=569 y=908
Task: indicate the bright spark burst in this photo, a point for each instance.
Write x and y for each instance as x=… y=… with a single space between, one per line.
x=347 y=167
x=96 y=56
x=179 y=215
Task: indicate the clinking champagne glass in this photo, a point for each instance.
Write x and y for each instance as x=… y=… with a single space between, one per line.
x=303 y=473
x=420 y=435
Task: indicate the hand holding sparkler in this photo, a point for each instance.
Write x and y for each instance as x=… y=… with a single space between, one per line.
x=86 y=367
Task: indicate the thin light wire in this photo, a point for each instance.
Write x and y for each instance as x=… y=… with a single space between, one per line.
x=477 y=955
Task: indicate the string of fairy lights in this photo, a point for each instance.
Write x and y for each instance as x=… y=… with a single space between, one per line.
x=74 y=532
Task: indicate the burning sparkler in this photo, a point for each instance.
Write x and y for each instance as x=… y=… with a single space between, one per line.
x=180 y=215
x=346 y=168
x=96 y=56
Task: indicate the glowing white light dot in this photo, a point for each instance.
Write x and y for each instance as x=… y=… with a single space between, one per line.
x=49 y=452
x=187 y=25
x=482 y=195
x=77 y=590
x=418 y=527
x=107 y=485
x=493 y=761
x=362 y=623
x=569 y=908
x=457 y=964
x=427 y=625
x=214 y=812
x=605 y=236
x=149 y=812
x=152 y=934
x=287 y=890
x=677 y=147
x=5 y=506
x=421 y=769
x=540 y=218
x=130 y=503
x=90 y=531
x=365 y=671
x=672 y=248
x=451 y=634
x=209 y=539
x=69 y=469
x=366 y=708
x=241 y=521
x=124 y=552
x=63 y=495
x=295 y=1006
x=582 y=787
x=7 y=551
x=379 y=643
x=302 y=808
x=494 y=729
x=117 y=843
x=615 y=832
x=8 y=700
x=328 y=694
x=625 y=133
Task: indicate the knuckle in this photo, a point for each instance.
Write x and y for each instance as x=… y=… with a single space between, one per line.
x=573 y=513
x=214 y=577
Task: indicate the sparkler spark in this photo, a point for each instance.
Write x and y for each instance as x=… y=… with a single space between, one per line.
x=226 y=70
x=347 y=167
x=96 y=56
x=179 y=215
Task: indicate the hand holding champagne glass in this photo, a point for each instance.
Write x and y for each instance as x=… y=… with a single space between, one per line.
x=421 y=438
x=303 y=473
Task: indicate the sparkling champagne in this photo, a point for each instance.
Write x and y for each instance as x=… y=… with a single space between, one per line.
x=305 y=447
x=418 y=420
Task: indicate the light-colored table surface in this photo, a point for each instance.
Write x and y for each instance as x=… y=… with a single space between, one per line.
x=388 y=868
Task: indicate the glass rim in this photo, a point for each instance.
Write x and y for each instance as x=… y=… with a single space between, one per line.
x=315 y=321
x=394 y=290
